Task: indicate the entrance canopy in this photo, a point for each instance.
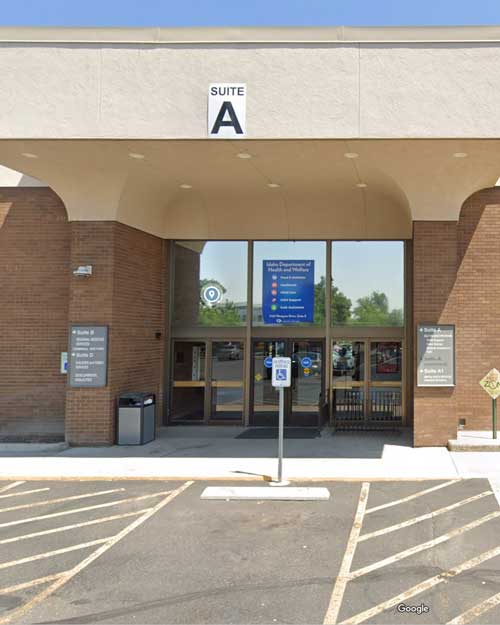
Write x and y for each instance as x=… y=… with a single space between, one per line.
x=260 y=189
x=349 y=133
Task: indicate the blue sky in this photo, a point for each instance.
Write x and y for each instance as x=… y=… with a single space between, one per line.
x=248 y=12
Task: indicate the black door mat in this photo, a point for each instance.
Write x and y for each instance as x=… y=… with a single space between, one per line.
x=261 y=433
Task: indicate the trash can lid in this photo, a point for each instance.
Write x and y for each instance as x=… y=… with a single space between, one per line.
x=137 y=397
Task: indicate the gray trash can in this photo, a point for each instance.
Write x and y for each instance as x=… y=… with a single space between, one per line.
x=136 y=418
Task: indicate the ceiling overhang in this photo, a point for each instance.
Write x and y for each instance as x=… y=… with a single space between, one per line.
x=286 y=189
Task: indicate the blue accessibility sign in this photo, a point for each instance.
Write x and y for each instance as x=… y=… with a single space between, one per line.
x=268 y=362
x=281 y=374
x=306 y=362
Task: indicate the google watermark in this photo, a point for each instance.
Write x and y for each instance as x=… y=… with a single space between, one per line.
x=413 y=609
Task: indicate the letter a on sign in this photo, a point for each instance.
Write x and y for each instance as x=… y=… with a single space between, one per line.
x=227 y=110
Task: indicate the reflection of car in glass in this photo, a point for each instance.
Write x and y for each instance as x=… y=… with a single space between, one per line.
x=230 y=351
x=343 y=360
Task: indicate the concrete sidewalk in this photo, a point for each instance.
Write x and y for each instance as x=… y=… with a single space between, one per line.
x=218 y=453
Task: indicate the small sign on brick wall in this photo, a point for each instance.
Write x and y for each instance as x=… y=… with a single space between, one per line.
x=88 y=356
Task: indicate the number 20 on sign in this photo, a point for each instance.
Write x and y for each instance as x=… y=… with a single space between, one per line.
x=491 y=384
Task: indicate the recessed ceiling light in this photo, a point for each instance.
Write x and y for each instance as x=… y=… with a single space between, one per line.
x=460 y=154
x=29 y=155
x=244 y=155
x=136 y=155
x=273 y=185
x=351 y=154
x=361 y=185
x=186 y=186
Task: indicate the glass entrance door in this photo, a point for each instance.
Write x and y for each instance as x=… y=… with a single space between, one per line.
x=304 y=398
x=367 y=383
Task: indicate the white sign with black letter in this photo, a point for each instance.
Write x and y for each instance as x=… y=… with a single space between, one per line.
x=227 y=110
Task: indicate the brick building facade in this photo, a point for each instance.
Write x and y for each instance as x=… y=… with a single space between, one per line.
x=111 y=164
x=129 y=292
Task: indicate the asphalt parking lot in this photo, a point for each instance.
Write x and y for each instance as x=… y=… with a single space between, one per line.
x=153 y=552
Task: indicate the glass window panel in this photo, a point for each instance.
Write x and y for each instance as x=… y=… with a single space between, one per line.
x=348 y=362
x=227 y=380
x=210 y=287
x=385 y=361
x=188 y=391
x=368 y=283
x=287 y=301
x=227 y=360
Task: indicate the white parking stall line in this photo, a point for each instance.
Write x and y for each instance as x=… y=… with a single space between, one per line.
x=423 y=517
x=108 y=504
x=66 y=528
x=343 y=576
x=421 y=493
x=19 y=612
x=422 y=587
x=12 y=485
x=48 y=502
x=495 y=487
x=423 y=546
x=55 y=552
x=471 y=615
x=25 y=492
x=34 y=582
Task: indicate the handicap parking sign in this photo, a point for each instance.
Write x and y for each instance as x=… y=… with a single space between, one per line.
x=282 y=372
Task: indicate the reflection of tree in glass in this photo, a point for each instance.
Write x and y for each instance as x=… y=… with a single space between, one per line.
x=341 y=305
x=374 y=310
x=221 y=314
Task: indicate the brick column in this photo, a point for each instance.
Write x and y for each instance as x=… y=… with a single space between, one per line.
x=478 y=347
x=434 y=301
x=125 y=292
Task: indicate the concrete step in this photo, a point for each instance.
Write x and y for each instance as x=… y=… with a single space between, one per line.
x=474 y=440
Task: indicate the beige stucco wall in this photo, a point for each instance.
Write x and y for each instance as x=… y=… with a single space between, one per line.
x=158 y=90
x=80 y=101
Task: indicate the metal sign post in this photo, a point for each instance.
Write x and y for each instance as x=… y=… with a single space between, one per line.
x=281 y=379
x=494 y=417
x=491 y=384
x=281 y=432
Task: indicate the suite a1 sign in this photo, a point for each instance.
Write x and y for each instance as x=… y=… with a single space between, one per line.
x=491 y=383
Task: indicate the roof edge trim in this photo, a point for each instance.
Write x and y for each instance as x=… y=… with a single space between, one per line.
x=250 y=35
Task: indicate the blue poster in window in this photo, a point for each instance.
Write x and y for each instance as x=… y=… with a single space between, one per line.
x=288 y=291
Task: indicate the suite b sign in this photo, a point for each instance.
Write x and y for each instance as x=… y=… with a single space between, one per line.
x=88 y=356
x=227 y=110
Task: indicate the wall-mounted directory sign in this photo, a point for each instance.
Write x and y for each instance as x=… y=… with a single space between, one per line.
x=435 y=355
x=288 y=291
x=88 y=356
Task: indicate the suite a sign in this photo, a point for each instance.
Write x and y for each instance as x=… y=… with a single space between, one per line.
x=491 y=383
x=227 y=110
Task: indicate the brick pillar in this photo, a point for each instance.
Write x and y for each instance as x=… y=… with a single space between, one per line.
x=434 y=301
x=34 y=288
x=125 y=292
x=478 y=347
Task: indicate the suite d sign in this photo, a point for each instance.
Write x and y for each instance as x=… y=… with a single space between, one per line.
x=227 y=110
